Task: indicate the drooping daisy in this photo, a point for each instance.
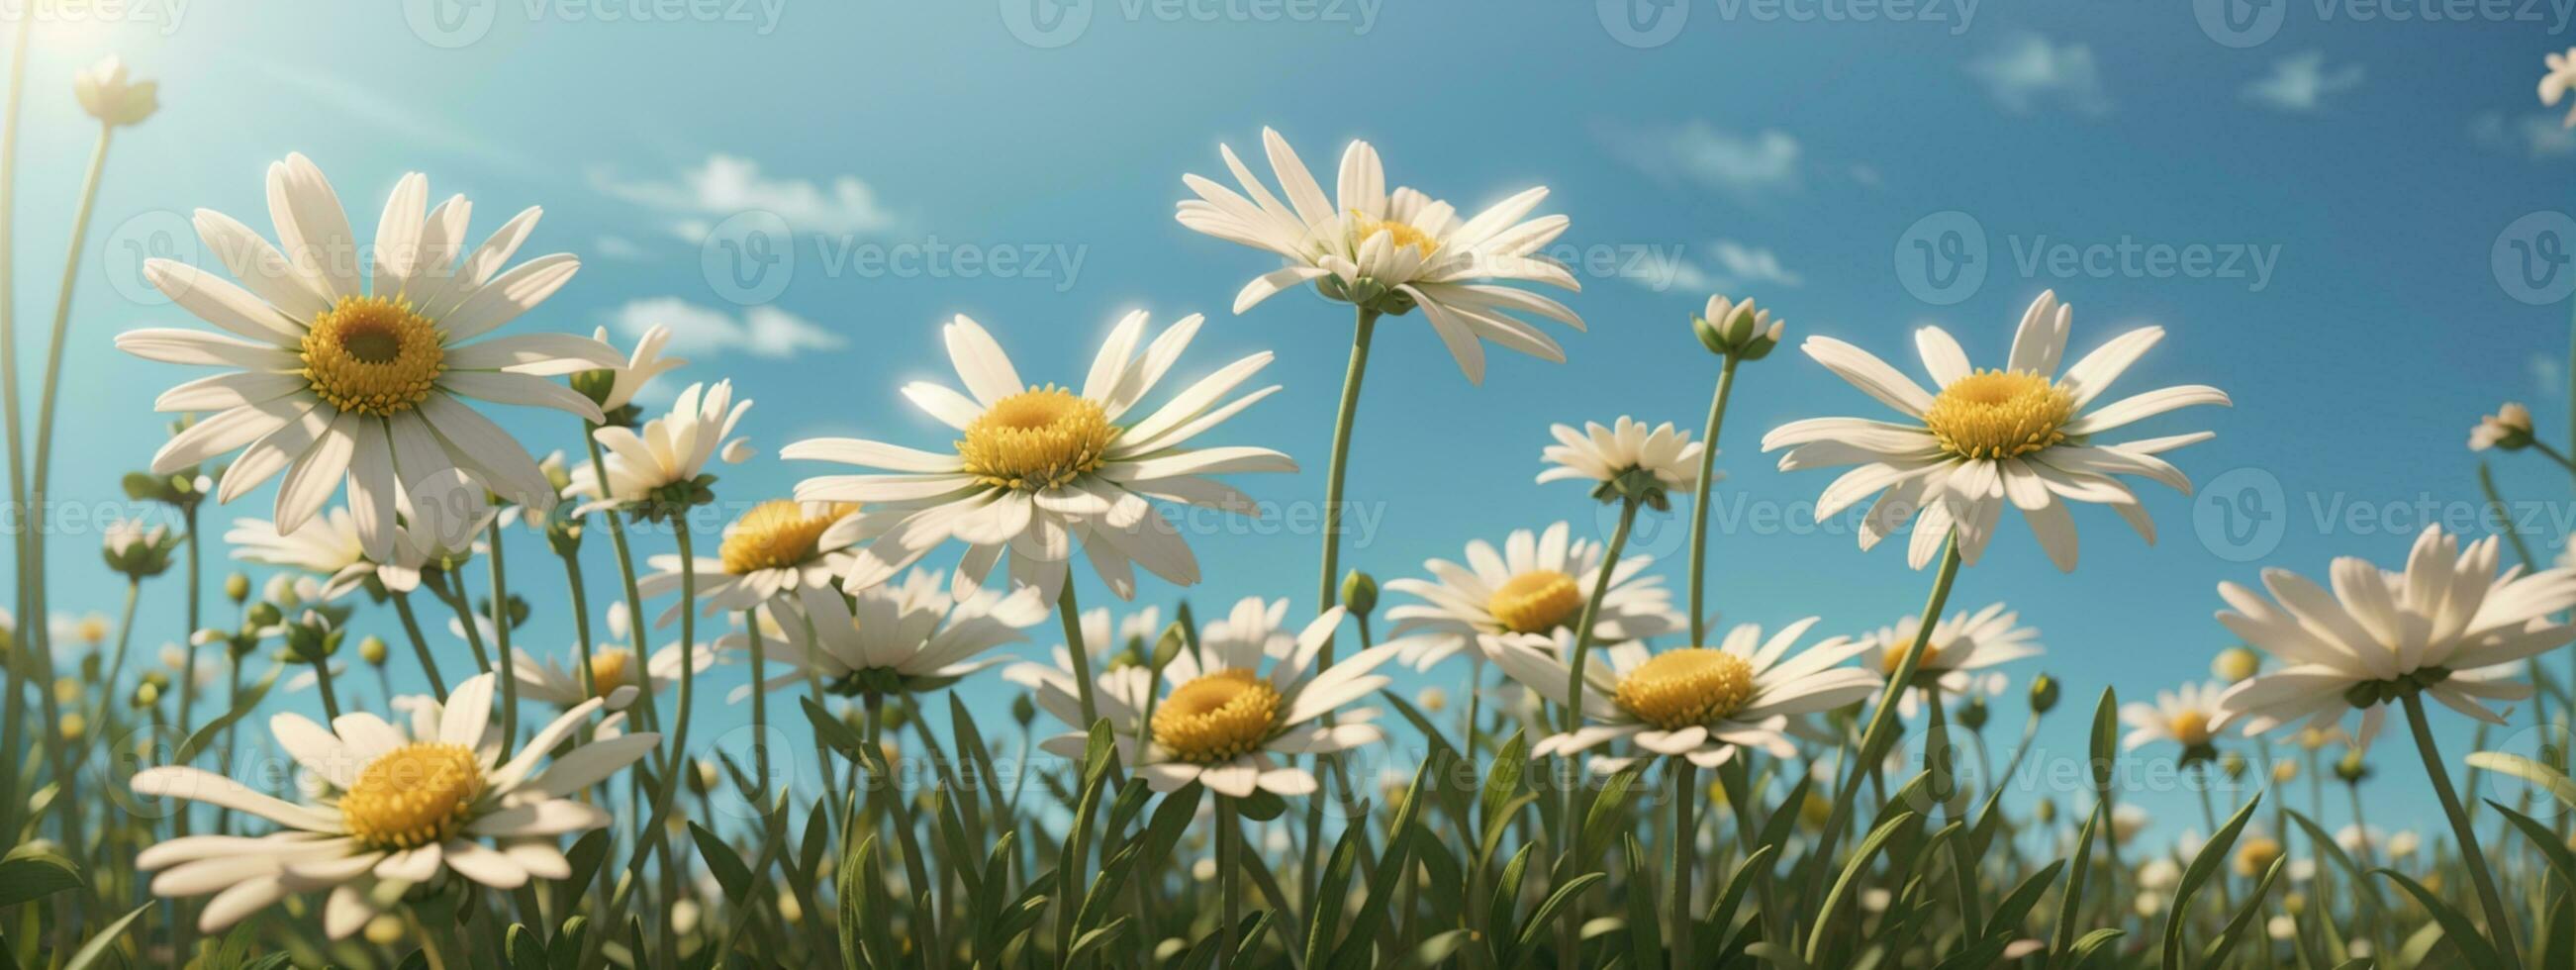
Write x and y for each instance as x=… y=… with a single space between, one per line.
x=1701 y=703
x=1039 y=469
x=2450 y=627
x=1393 y=251
x=896 y=638
x=2555 y=82
x=1960 y=647
x=2021 y=434
x=774 y=551
x=657 y=468
x=615 y=387
x=395 y=812
x=615 y=677
x=1537 y=583
x=356 y=370
x=1606 y=455
x=1221 y=719
x=2187 y=716
x=2509 y=428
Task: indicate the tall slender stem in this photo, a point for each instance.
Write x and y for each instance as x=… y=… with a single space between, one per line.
x=1882 y=729
x=12 y=711
x=507 y=660
x=1699 y=502
x=759 y=701
x=1569 y=936
x=1229 y=880
x=420 y=645
x=115 y=670
x=2499 y=918
x=1685 y=843
x=1071 y=614
x=1328 y=582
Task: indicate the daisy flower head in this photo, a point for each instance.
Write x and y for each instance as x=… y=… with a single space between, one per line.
x=2449 y=627
x=1625 y=459
x=615 y=677
x=777 y=549
x=659 y=470
x=138 y=550
x=1039 y=469
x=1537 y=583
x=2555 y=81
x=894 y=638
x=2508 y=429
x=1232 y=715
x=357 y=368
x=393 y=811
x=332 y=547
x=2187 y=716
x=1389 y=252
x=2024 y=434
x=1738 y=330
x=1700 y=703
x=1958 y=654
x=614 y=388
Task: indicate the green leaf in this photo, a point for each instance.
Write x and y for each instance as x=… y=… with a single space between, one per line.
x=2070 y=906
x=729 y=870
x=1776 y=954
x=1502 y=782
x=2213 y=855
x=2245 y=914
x=1645 y=929
x=833 y=731
x=2106 y=739
x=565 y=952
x=2548 y=778
x=207 y=735
x=1843 y=886
x=1545 y=914
x=2008 y=915
x=89 y=953
x=35 y=872
x=2463 y=934
x=525 y=952
x=1261 y=806
x=1609 y=811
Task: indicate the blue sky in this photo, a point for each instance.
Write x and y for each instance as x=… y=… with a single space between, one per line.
x=2322 y=207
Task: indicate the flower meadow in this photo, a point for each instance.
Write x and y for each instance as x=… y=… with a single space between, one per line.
x=1612 y=778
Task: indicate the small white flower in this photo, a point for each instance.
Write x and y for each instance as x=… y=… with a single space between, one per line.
x=112 y=98
x=2554 y=82
x=894 y=637
x=613 y=673
x=668 y=451
x=642 y=366
x=769 y=555
x=2509 y=428
x=1605 y=455
x=1960 y=646
x=1696 y=702
x=1537 y=583
x=2188 y=716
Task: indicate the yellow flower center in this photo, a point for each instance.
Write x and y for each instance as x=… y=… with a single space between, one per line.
x=1536 y=601
x=1037 y=439
x=2191 y=728
x=415 y=795
x=2257 y=856
x=1405 y=234
x=1998 y=414
x=608 y=671
x=1218 y=717
x=373 y=355
x=777 y=534
x=1681 y=688
x=1889 y=660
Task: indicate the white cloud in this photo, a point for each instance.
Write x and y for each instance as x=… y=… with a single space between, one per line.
x=2029 y=72
x=1695 y=151
x=2302 y=83
x=1733 y=266
x=699 y=331
x=729 y=185
x=2538 y=136
x=616 y=247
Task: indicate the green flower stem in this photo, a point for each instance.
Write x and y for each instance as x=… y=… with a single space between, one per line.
x=1328 y=583
x=509 y=662
x=455 y=600
x=655 y=833
x=419 y=645
x=2499 y=918
x=1229 y=880
x=13 y=711
x=1883 y=727
x=2554 y=455
x=1475 y=702
x=188 y=666
x=899 y=814
x=1699 y=501
x=322 y=683
x=1070 y=613
x=1685 y=841
x=1569 y=936
x=759 y=700
x=578 y=595
x=115 y=670
x=635 y=617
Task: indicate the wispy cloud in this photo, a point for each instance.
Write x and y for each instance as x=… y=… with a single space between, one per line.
x=616 y=247
x=701 y=331
x=729 y=185
x=2536 y=136
x=389 y=115
x=1731 y=266
x=2030 y=72
x=1698 y=152
x=2301 y=83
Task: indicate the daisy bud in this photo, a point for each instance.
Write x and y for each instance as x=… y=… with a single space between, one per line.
x=2235 y=664
x=281 y=591
x=2046 y=811
x=2256 y=856
x=2234 y=764
x=1359 y=593
x=2508 y=429
x=1023 y=710
x=1737 y=330
x=72 y=726
x=2043 y=694
x=2284 y=771
x=263 y=615
x=1167 y=648
x=237 y=588
x=111 y=97
x=138 y=551
x=146 y=695
x=2350 y=769
x=1432 y=700
x=1972 y=714
x=372 y=650
x=385 y=930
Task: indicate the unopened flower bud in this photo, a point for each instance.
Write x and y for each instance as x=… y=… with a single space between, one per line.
x=237 y=588
x=1972 y=713
x=263 y=615
x=1359 y=593
x=372 y=650
x=2235 y=664
x=1023 y=710
x=1168 y=647
x=1738 y=330
x=113 y=98
x=2043 y=694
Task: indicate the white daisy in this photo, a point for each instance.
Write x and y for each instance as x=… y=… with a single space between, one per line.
x=330 y=546
x=1537 y=583
x=616 y=387
x=1606 y=455
x=2022 y=433
x=1960 y=647
x=355 y=371
x=1392 y=251
x=2187 y=716
x=2554 y=83
x=1222 y=720
x=2449 y=626
x=896 y=637
x=395 y=812
x=1701 y=703
x=2509 y=428
x=657 y=466
x=612 y=669
x=1102 y=637
x=1038 y=469
x=774 y=551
